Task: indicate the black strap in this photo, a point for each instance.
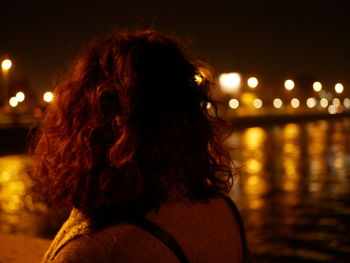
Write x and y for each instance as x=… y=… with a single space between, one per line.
x=172 y=244
x=163 y=236
x=237 y=215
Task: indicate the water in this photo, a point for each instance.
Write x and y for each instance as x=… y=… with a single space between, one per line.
x=293 y=190
x=20 y=210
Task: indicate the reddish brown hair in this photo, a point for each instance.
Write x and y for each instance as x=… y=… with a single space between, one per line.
x=128 y=125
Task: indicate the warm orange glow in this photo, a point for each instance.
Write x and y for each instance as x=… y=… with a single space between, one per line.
x=289 y=84
x=247 y=98
x=295 y=103
x=324 y=103
x=253 y=138
x=317 y=86
x=339 y=88
x=255 y=183
x=257 y=103
x=291 y=131
x=252 y=82
x=48 y=96
x=233 y=103
x=311 y=102
x=277 y=103
x=336 y=102
x=13 y=189
x=20 y=96
x=291 y=157
x=230 y=82
x=346 y=103
x=37 y=112
x=198 y=78
x=13 y=102
x=332 y=109
x=6 y=64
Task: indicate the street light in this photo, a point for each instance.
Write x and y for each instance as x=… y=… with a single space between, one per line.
x=230 y=82
x=20 y=96
x=339 y=88
x=6 y=64
x=311 y=102
x=317 y=86
x=48 y=96
x=347 y=103
x=233 y=103
x=277 y=103
x=324 y=103
x=336 y=102
x=289 y=84
x=257 y=103
x=13 y=102
x=295 y=103
x=252 y=82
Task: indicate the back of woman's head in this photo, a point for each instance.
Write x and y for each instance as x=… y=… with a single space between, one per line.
x=129 y=125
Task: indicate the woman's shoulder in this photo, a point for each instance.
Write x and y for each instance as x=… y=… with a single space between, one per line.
x=120 y=242
x=194 y=224
x=106 y=245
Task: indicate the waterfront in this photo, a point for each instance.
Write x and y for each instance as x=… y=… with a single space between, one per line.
x=293 y=190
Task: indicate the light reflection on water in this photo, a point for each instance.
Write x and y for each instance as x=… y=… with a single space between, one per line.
x=293 y=189
x=20 y=211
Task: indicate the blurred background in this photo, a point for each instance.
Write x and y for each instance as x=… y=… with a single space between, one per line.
x=282 y=78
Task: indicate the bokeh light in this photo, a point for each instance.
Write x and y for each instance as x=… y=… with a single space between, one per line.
x=13 y=102
x=295 y=103
x=48 y=96
x=20 y=96
x=253 y=82
x=336 y=102
x=6 y=64
x=257 y=103
x=311 y=102
x=289 y=84
x=198 y=78
x=339 y=88
x=332 y=109
x=324 y=103
x=346 y=103
x=233 y=103
x=317 y=86
x=277 y=103
x=230 y=82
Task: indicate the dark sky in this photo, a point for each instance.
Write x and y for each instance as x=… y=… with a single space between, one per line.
x=273 y=40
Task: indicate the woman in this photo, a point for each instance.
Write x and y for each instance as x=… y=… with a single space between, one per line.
x=130 y=145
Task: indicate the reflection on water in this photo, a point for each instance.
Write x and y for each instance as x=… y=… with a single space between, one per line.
x=293 y=189
x=20 y=211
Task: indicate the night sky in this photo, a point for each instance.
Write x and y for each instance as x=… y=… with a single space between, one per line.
x=272 y=40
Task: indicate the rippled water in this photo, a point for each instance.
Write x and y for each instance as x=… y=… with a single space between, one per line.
x=293 y=190
x=20 y=210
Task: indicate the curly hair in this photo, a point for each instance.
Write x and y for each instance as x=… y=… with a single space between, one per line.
x=130 y=125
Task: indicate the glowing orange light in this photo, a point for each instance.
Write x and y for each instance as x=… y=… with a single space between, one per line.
x=6 y=64
x=252 y=82
x=289 y=84
x=48 y=96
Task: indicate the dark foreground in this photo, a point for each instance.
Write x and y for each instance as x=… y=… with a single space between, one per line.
x=293 y=190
